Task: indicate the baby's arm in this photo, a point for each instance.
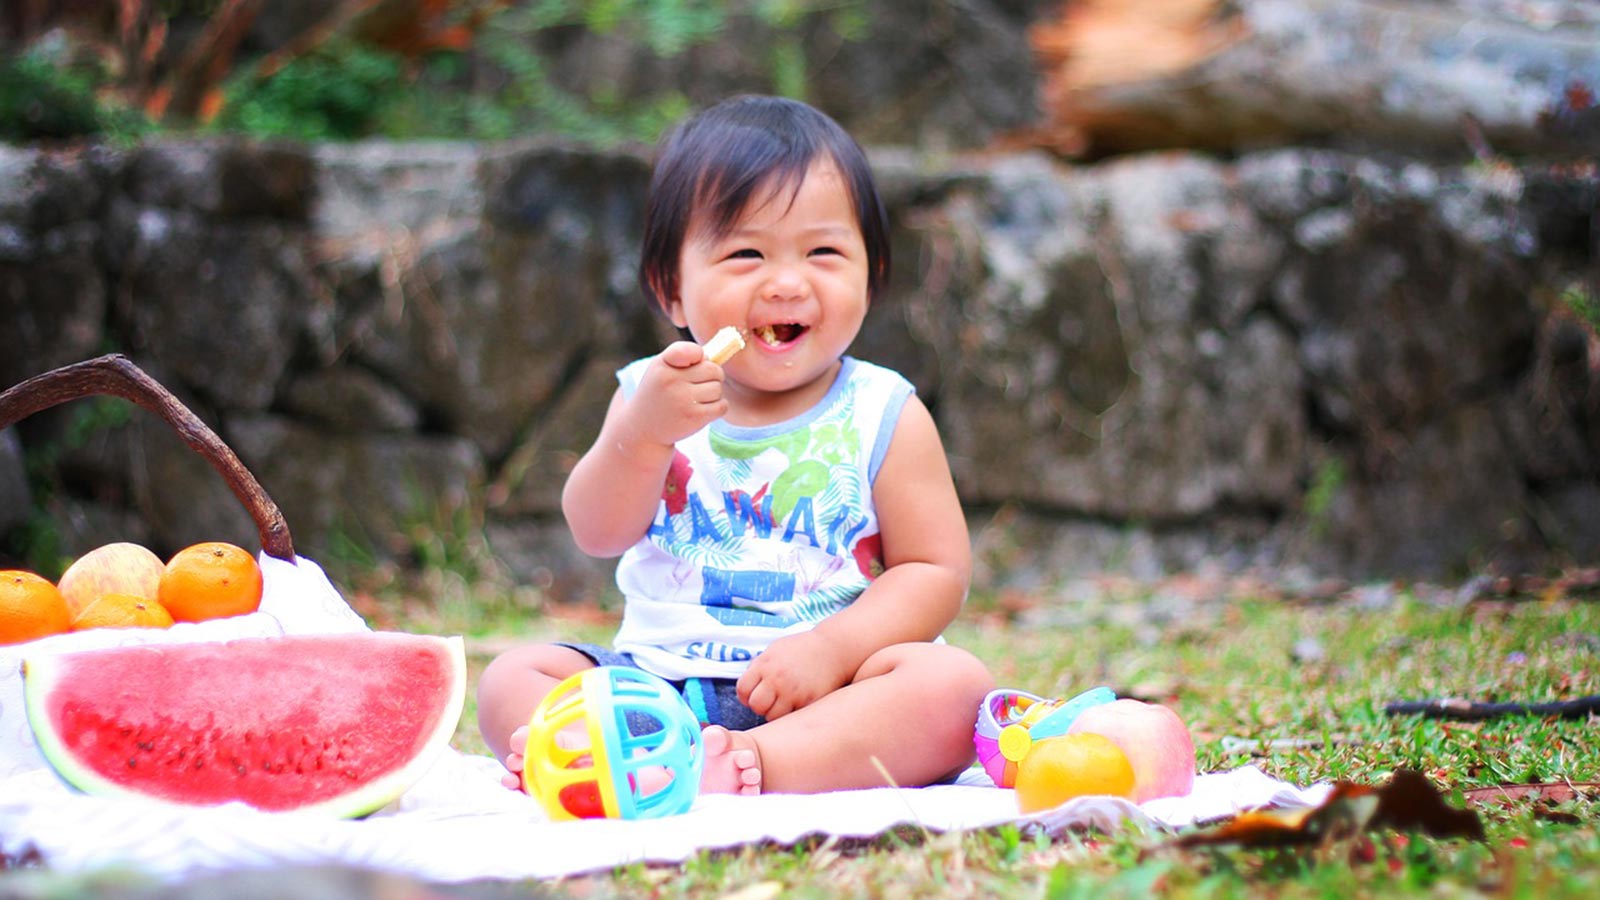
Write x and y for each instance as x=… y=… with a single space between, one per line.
x=927 y=564
x=613 y=492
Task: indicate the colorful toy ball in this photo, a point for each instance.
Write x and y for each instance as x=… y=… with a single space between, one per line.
x=613 y=742
x=1010 y=721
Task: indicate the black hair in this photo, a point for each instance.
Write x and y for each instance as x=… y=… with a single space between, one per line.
x=718 y=159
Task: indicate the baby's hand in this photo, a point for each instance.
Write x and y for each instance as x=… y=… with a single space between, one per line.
x=792 y=673
x=514 y=761
x=680 y=393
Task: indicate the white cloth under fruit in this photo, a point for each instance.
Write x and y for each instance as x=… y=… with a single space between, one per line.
x=459 y=824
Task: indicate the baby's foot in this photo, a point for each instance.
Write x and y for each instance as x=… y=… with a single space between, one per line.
x=733 y=762
x=514 y=761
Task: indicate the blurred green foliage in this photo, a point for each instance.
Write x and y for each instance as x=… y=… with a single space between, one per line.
x=501 y=83
x=45 y=99
x=341 y=92
x=1585 y=304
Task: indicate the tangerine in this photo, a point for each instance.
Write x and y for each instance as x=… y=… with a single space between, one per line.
x=1074 y=765
x=122 y=611
x=30 y=607
x=120 y=568
x=211 y=580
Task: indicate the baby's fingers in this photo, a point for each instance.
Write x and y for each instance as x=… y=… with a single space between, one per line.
x=682 y=354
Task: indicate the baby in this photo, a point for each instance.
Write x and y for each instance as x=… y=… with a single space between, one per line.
x=791 y=541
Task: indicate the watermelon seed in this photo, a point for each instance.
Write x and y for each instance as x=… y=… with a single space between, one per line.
x=239 y=769
x=146 y=745
x=133 y=762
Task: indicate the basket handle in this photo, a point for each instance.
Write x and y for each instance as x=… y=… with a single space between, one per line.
x=116 y=375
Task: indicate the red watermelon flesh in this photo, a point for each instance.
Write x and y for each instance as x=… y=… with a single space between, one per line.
x=336 y=724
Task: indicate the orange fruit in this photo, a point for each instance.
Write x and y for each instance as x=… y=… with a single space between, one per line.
x=1073 y=765
x=122 y=611
x=30 y=607
x=120 y=568
x=210 y=580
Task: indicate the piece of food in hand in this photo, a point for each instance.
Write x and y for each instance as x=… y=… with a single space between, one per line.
x=724 y=344
x=1155 y=739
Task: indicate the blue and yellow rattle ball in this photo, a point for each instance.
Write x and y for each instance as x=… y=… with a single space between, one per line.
x=613 y=742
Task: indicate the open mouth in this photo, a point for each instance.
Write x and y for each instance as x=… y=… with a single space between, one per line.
x=778 y=334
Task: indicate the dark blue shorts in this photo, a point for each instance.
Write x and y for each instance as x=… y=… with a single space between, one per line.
x=715 y=701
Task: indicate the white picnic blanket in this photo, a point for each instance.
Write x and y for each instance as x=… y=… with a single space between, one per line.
x=459 y=824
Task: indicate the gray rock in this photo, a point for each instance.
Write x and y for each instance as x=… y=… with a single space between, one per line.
x=1571 y=516
x=370 y=492
x=351 y=401
x=181 y=497
x=81 y=525
x=482 y=320
x=42 y=189
x=53 y=302
x=221 y=305
x=1440 y=501
x=1403 y=314
x=366 y=190
x=539 y=552
x=529 y=481
x=16 y=501
x=229 y=178
x=1084 y=387
x=1327 y=361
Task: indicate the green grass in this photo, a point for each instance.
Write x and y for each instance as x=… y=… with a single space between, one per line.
x=1236 y=663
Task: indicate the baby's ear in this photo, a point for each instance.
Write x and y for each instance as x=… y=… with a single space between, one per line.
x=674 y=310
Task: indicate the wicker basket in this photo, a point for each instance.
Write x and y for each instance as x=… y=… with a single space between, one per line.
x=116 y=375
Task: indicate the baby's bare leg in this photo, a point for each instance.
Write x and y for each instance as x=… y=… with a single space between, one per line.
x=911 y=707
x=513 y=684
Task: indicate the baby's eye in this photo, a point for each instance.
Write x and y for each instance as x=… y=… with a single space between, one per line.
x=745 y=253
x=825 y=251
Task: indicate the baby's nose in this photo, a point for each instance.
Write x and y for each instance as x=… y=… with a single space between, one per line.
x=785 y=283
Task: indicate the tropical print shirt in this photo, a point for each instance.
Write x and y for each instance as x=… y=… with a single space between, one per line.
x=761 y=532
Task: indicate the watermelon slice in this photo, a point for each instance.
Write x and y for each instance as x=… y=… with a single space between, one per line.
x=332 y=724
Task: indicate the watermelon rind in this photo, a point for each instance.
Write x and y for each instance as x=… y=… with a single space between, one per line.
x=41 y=674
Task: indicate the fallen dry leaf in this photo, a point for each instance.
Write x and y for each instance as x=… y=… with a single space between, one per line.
x=1505 y=794
x=1409 y=802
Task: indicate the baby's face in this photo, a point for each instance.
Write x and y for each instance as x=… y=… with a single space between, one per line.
x=792 y=273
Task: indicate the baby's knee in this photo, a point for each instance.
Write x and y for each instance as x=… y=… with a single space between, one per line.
x=947 y=676
x=520 y=676
x=962 y=675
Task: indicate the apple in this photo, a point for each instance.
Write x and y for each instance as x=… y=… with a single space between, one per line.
x=1154 y=739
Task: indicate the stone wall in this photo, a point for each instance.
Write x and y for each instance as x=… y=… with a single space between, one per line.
x=1349 y=364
